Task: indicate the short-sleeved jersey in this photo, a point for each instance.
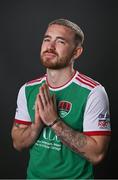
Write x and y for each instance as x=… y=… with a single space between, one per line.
x=82 y=104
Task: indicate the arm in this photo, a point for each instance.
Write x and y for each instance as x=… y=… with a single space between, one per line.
x=92 y=148
x=25 y=135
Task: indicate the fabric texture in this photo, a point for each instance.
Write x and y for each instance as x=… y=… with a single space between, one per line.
x=82 y=104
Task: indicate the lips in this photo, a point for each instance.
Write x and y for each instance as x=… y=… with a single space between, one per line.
x=49 y=54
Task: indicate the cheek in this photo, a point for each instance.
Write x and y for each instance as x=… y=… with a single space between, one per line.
x=43 y=48
x=66 y=52
x=62 y=51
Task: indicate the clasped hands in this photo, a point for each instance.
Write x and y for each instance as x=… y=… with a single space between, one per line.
x=45 y=106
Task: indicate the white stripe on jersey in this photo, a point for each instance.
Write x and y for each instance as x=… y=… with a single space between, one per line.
x=36 y=81
x=85 y=81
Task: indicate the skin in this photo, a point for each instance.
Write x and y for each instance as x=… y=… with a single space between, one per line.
x=58 y=53
x=25 y=135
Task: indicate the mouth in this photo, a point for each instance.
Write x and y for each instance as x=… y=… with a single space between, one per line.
x=49 y=55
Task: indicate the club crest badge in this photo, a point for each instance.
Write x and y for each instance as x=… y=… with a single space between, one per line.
x=64 y=108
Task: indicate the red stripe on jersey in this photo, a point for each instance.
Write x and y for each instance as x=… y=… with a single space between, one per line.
x=85 y=82
x=86 y=78
x=22 y=122
x=35 y=80
x=97 y=133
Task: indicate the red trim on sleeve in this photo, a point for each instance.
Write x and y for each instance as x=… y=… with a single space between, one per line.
x=22 y=122
x=97 y=133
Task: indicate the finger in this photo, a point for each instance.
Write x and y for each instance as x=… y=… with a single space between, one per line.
x=40 y=105
x=42 y=95
x=54 y=101
x=37 y=116
x=47 y=93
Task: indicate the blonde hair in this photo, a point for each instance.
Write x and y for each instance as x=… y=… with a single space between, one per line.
x=79 y=35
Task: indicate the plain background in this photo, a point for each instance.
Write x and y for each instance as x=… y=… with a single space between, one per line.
x=22 y=25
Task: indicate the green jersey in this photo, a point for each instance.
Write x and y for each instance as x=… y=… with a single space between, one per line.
x=80 y=105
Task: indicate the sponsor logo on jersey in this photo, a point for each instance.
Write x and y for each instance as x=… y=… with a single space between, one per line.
x=104 y=121
x=49 y=135
x=64 y=108
x=49 y=140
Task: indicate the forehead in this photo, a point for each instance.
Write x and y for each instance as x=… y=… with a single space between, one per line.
x=59 y=30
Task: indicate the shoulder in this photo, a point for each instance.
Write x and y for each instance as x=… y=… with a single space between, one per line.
x=96 y=88
x=85 y=81
x=31 y=84
x=36 y=81
x=99 y=94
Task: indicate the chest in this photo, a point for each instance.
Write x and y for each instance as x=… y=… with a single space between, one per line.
x=70 y=104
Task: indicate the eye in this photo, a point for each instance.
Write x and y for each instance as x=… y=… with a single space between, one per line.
x=46 y=39
x=60 y=41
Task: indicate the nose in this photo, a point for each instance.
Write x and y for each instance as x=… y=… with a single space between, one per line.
x=51 y=45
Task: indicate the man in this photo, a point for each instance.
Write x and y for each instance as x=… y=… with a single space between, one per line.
x=64 y=116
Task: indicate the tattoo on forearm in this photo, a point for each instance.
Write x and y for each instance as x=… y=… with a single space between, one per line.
x=17 y=125
x=75 y=140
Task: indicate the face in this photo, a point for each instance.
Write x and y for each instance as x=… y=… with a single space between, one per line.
x=58 y=47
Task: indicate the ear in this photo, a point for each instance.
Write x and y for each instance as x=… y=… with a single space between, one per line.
x=77 y=52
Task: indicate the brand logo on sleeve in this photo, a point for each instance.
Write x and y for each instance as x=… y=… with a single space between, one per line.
x=64 y=108
x=104 y=121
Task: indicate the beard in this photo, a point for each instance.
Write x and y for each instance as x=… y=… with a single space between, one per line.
x=56 y=62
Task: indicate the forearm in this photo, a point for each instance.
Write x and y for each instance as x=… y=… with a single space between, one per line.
x=25 y=137
x=92 y=148
x=78 y=142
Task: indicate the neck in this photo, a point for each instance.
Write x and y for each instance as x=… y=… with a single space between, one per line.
x=59 y=77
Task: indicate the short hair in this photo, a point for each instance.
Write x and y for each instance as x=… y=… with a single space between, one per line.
x=79 y=35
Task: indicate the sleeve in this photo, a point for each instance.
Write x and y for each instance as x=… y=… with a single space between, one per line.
x=22 y=115
x=97 y=115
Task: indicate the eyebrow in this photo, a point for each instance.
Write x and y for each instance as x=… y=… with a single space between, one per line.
x=47 y=36
x=58 y=37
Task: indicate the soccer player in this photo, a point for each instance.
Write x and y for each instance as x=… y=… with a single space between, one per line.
x=62 y=117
